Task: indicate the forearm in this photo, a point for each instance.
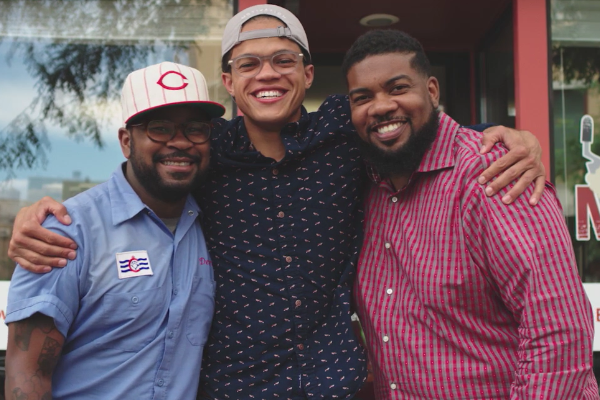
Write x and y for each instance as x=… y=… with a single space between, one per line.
x=34 y=347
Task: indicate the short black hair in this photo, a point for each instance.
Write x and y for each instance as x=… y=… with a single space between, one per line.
x=225 y=67
x=385 y=41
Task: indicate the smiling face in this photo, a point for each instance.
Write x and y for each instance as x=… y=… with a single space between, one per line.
x=165 y=171
x=390 y=100
x=268 y=100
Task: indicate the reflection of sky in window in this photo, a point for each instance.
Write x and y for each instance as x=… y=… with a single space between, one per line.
x=66 y=157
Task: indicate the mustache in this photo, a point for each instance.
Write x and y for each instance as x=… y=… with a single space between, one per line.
x=176 y=154
x=387 y=118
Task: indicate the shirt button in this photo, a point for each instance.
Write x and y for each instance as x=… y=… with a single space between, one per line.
x=190 y=212
x=393 y=386
x=171 y=334
x=160 y=382
x=386 y=338
x=298 y=303
x=281 y=214
x=388 y=245
x=300 y=346
x=394 y=199
x=175 y=291
x=135 y=300
x=389 y=291
x=288 y=259
x=275 y=171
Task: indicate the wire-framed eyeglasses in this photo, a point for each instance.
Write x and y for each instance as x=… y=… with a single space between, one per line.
x=282 y=62
x=162 y=131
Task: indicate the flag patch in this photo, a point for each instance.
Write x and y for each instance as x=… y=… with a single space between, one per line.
x=133 y=263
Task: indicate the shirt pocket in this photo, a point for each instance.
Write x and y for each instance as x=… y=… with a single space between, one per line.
x=132 y=319
x=201 y=309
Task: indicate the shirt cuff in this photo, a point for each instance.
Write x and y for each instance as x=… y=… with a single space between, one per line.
x=48 y=305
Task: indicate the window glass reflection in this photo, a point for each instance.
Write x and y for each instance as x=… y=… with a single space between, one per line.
x=62 y=64
x=576 y=94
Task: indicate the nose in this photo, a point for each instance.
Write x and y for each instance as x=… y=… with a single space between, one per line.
x=267 y=72
x=179 y=141
x=382 y=105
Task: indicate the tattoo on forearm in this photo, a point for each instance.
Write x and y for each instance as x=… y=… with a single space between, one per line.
x=23 y=334
x=48 y=356
x=34 y=385
x=29 y=392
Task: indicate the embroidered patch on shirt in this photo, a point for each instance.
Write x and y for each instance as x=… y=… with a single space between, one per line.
x=133 y=263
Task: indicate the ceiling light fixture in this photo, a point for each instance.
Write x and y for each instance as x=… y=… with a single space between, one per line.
x=378 y=20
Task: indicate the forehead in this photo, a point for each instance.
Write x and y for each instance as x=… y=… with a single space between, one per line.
x=263 y=46
x=380 y=68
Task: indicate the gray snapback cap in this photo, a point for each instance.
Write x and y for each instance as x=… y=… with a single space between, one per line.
x=294 y=30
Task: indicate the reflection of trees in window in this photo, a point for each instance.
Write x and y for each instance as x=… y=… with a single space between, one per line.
x=79 y=53
x=576 y=74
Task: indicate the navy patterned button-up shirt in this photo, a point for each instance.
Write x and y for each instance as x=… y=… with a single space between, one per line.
x=284 y=240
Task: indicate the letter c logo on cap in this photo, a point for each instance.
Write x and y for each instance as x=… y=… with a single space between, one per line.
x=169 y=82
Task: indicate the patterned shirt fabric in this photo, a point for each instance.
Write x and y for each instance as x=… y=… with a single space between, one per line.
x=463 y=297
x=135 y=337
x=284 y=239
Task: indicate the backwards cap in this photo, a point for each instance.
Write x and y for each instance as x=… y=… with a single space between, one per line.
x=294 y=30
x=165 y=84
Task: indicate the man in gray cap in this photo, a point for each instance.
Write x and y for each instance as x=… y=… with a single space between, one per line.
x=282 y=220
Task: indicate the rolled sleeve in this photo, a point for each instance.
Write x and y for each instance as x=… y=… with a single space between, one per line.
x=55 y=294
x=48 y=305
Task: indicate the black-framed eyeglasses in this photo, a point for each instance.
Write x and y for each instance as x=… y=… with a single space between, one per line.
x=282 y=62
x=161 y=131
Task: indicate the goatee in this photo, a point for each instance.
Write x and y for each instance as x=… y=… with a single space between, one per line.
x=153 y=183
x=405 y=160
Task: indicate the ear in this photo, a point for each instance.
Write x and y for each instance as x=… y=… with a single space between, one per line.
x=228 y=82
x=125 y=142
x=433 y=87
x=309 y=75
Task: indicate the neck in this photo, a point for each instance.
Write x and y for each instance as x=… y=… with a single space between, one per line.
x=267 y=142
x=266 y=137
x=163 y=209
x=399 y=181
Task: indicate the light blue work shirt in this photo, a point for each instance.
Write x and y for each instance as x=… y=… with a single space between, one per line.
x=138 y=337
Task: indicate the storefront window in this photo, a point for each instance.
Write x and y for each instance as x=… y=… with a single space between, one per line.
x=576 y=99
x=62 y=64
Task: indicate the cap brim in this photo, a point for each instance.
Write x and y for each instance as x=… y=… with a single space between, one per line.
x=211 y=108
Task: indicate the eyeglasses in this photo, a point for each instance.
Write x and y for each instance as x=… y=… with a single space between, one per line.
x=163 y=131
x=283 y=62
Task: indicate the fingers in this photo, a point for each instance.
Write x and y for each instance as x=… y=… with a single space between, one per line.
x=540 y=185
x=37 y=256
x=525 y=176
x=490 y=137
x=517 y=154
x=47 y=205
x=36 y=248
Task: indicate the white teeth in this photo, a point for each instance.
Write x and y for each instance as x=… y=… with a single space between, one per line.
x=388 y=128
x=177 y=164
x=269 y=94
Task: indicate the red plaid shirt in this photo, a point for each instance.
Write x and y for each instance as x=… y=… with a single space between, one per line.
x=463 y=297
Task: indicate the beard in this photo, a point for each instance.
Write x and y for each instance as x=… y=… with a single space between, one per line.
x=406 y=159
x=153 y=183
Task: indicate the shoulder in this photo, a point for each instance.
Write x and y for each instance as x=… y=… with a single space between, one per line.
x=467 y=144
x=336 y=106
x=86 y=210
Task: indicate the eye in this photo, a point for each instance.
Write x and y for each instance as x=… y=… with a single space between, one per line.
x=246 y=64
x=359 y=98
x=399 y=88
